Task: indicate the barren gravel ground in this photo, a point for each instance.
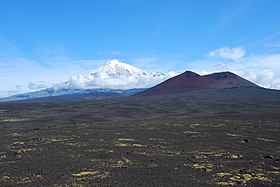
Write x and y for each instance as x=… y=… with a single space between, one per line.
x=175 y=141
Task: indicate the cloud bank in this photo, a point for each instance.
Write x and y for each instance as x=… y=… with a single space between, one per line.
x=228 y=53
x=20 y=75
x=263 y=70
x=121 y=82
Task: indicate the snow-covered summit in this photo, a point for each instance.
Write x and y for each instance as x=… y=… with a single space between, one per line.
x=115 y=68
x=116 y=75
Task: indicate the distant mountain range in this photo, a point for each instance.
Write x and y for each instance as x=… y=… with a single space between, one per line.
x=190 y=81
x=114 y=77
x=95 y=93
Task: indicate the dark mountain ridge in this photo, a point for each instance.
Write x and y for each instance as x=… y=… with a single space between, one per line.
x=191 y=81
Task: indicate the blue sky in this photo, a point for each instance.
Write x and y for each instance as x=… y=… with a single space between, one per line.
x=48 y=41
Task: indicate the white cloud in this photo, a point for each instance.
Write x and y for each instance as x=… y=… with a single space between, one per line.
x=172 y=74
x=19 y=87
x=24 y=75
x=263 y=70
x=38 y=85
x=265 y=78
x=105 y=81
x=228 y=53
x=9 y=93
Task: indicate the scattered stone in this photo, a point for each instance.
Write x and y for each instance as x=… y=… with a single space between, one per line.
x=268 y=156
x=223 y=174
x=203 y=167
x=17 y=143
x=5 y=178
x=234 y=156
x=85 y=173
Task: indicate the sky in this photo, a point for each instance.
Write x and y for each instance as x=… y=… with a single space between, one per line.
x=46 y=42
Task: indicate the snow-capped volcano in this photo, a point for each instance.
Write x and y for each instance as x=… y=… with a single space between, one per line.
x=115 y=68
x=116 y=75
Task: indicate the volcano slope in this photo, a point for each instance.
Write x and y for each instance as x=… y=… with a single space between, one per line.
x=191 y=81
x=227 y=137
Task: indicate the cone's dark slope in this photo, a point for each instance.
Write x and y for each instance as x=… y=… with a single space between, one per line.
x=190 y=81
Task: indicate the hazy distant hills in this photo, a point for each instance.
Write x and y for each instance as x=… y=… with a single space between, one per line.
x=68 y=94
x=191 y=81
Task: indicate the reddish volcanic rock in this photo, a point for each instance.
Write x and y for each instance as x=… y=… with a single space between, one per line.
x=190 y=81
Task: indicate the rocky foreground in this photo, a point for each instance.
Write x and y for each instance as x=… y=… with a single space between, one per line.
x=203 y=142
